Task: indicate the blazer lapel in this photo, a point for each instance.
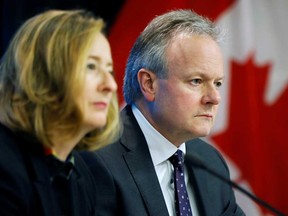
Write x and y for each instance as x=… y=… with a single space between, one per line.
x=43 y=186
x=78 y=185
x=140 y=164
x=82 y=189
x=142 y=170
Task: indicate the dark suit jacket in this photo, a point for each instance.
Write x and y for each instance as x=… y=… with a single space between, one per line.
x=128 y=184
x=25 y=186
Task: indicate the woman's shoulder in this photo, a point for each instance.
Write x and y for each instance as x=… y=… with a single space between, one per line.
x=10 y=151
x=16 y=189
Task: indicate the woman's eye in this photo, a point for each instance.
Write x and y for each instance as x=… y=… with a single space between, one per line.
x=111 y=72
x=91 y=66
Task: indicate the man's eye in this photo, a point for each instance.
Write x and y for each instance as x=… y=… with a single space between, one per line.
x=196 y=81
x=218 y=84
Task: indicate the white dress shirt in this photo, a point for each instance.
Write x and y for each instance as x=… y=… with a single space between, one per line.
x=161 y=150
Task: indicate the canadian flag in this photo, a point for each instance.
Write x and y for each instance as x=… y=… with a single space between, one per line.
x=253 y=117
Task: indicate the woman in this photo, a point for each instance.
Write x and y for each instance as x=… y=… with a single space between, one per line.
x=57 y=93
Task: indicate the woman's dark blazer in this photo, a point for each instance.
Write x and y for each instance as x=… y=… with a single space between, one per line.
x=25 y=186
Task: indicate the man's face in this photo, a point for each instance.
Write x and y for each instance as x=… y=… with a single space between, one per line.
x=186 y=103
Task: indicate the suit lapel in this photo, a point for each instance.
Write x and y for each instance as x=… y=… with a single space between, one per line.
x=140 y=164
x=146 y=180
x=199 y=181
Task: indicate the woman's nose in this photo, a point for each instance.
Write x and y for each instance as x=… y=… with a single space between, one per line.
x=109 y=83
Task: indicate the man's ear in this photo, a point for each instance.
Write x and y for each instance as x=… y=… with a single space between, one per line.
x=146 y=81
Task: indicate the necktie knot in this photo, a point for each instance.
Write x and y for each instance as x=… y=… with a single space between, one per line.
x=177 y=158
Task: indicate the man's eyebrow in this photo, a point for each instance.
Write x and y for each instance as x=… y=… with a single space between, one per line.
x=205 y=75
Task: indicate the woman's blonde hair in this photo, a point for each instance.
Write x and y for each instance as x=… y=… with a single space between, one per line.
x=42 y=72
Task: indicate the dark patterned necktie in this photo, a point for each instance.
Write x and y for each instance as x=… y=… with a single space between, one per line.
x=182 y=203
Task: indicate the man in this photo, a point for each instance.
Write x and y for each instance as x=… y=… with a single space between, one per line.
x=171 y=87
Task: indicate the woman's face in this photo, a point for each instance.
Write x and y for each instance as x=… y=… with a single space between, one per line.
x=99 y=85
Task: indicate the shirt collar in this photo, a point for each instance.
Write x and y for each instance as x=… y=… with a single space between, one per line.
x=57 y=167
x=160 y=148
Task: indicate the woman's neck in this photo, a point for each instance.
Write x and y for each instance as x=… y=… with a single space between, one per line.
x=62 y=148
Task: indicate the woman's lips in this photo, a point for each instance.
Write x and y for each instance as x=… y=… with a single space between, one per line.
x=100 y=105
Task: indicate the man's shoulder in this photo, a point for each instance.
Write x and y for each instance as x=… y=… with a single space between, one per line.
x=112 y=148
x=206 y=151
x=200 y=145
x=109 y=154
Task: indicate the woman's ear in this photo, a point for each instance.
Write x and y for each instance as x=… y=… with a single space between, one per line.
x=146 y=81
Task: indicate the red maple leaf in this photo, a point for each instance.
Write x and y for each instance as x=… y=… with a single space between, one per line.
x=256 y=135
